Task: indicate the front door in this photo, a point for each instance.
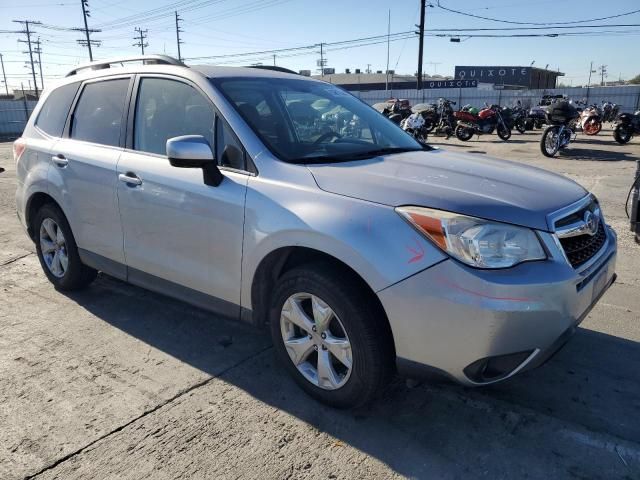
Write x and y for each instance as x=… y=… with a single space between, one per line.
x=181 y=237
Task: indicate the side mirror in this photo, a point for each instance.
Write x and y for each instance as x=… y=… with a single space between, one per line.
x=193 y=151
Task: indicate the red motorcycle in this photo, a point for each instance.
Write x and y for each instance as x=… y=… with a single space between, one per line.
x=487 y=120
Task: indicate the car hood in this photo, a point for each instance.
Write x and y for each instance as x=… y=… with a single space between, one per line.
x=473 y=185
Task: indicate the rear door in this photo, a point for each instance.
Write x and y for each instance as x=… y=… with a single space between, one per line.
x=179 y=232
x=84 y=165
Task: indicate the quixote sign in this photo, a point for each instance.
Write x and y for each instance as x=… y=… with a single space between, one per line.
x=457 y=83
x=496 y=75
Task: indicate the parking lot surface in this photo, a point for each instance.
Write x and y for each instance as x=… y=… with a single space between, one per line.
x=118 y=382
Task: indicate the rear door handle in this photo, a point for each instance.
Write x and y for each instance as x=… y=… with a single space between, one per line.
x=60 y=160
x=130 y=179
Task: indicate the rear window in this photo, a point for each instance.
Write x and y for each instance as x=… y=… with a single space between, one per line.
x=56 y=107
x=99 y=113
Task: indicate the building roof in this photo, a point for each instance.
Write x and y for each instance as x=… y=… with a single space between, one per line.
x=355 y=78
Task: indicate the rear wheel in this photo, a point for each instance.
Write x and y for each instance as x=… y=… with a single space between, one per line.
x=429 y=125
x=622 y=134
x=58 y=252
x=330 y=336
x=464 y=133
x=520 y=126
x=550 y=141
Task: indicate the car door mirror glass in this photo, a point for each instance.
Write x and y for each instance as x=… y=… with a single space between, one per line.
x=194 y=151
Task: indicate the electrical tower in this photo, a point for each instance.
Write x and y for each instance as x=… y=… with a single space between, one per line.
x=178 y=32
x=38 y=50
x=27 y=31
x=141 y=36
x=87 y=42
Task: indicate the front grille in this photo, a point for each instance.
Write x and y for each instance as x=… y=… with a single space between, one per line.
x=581 y=249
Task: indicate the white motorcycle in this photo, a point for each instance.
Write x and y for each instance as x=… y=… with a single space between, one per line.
x=415 y=126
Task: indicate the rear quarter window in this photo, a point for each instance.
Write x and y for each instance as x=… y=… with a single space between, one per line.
x=53 y=114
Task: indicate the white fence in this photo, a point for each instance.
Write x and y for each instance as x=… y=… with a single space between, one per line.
x=628 y=97
x=13 y=116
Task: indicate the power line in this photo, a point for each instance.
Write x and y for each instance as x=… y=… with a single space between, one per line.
x=466 y=14
x=142 y=36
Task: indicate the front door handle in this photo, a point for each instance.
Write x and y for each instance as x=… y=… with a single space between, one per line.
x=60 y=160
x=130 y=179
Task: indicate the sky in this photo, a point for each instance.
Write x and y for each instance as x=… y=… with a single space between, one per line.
x=228 y=27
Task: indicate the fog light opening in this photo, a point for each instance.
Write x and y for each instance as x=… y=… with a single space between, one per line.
x=494 y=368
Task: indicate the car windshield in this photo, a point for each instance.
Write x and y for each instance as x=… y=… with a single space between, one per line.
x=305 y=121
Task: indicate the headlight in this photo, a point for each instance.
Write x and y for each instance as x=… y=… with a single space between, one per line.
x=475 y=241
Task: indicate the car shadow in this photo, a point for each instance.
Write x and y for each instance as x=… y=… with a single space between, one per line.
x=590 y=154
x=591 y=384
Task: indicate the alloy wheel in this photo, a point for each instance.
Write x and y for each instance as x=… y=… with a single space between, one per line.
x=54 y=248
x=316 y=341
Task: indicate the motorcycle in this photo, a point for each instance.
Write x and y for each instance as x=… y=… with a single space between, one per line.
x=487 y=120
x=446 y=121
x=627 y=125
x=395 y=109
x=416 y=126
x=609 y=111
x=559 y=115
x=536 y=117
x=590 y=121
x=515 y=117
x=429 y=112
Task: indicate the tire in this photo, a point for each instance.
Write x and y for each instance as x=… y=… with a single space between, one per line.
x=504 y=133
x=520 y=126
x=551 y=149
x=49 y=222
x=357 y=320
x=592 y=127
x=429 y=125
x=464 y=133
x=622 y=134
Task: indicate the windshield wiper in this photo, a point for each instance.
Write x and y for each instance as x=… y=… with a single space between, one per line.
x=347 y=157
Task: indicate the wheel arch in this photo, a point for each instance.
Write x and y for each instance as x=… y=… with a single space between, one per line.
x=35 y=203
x=283 y=259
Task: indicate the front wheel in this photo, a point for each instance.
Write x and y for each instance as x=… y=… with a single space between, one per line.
x=429 y=125
x=550 y=141
x=622 y=134
x=58 y=252
x=592 y=126
x=504 y=133
x=520 y=126
x=464 y=133
x=330 y=336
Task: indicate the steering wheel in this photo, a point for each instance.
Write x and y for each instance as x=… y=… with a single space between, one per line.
x=326 y=136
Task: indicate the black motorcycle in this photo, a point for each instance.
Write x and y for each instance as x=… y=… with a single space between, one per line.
x=560 y=115
x=446 y=121
x=515 y=118
x=626 y=127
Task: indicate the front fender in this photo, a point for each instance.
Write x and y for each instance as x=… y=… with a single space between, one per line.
x=370 y=238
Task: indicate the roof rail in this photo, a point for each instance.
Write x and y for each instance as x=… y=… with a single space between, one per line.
x=146 y=59
x=273 y=68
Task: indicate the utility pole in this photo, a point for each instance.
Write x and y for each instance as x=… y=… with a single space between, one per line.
x=274 y=59
x=38 y=50
x=386 y=85
x=28 y=32
x=178 y=30
x=321 y=60
x=603 y=73
x=87 y=42
x=368 y=70
x=421 y=42
x=141 y=37
x=4 y=75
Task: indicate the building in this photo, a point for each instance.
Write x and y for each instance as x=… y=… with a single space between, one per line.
x=359 y=82
x=509 y=77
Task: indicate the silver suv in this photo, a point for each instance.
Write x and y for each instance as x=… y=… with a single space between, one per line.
x=283 y=201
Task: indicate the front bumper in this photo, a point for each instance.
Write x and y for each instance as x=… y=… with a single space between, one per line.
x=451 y=317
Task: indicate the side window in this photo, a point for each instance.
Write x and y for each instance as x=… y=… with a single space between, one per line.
x=98 y=114
x=229 y=151
x=53 y=115
x=168 y=108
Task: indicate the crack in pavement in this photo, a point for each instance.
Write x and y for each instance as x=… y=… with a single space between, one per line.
x=144 y=414
x=16 y=259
